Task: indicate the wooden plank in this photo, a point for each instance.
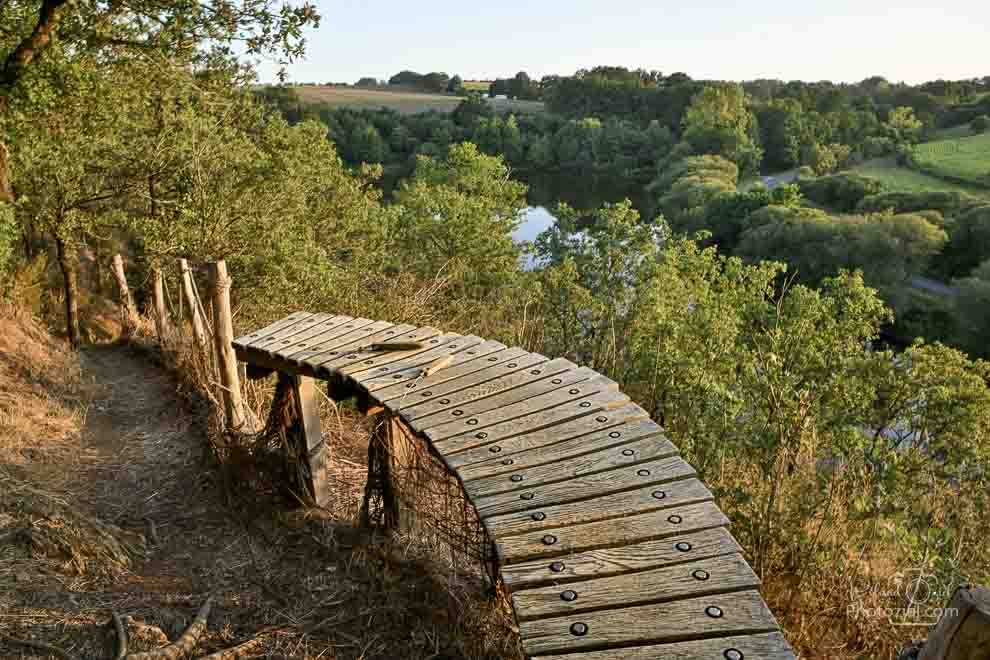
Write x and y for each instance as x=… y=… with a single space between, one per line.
x=523 y=385
x=642 y=441
x=265 y=361
x=610 y=533
x=304 y=392
x=627 y=477
x=615 y=505
x=246 y=340
x=316 y=334
x=492 y=367
x=326 y=339
x=681 y=620
x=569 y=438
x=429 y=337
x=463 y=363
x=717 y=575
x=622 y=559
x=410 y=368
x=361 y=353
x=763 y=646
x=493 y=431
x=283 y=338
x=352 y=336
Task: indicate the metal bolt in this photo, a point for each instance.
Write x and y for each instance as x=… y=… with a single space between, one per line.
x=643 y=473
x=569 y=596
x=573 y=390
x=427 y=393
x=516 y=478
x=614 y=434
x=444 y=401
x=659 y=494
x=549 y=539
x=472 y=422
x=579 y=629
x=701 y=575
x=493 y=359
x=683 y=546
x=457 y=413
x=676 y=519
x=557 y=567
x=535 y=372
x=601 y=418
x=397 y=376
x=410 y=386
x=508 y=461
x=512 y=365
x=628 y=452
x=714 y=612
x=539 y=516
x=526 y=496
x=585 y=404
x=733 y=654
x=556 y=381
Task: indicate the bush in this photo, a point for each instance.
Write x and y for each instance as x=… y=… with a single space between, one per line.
x=946 y=202
x=842 y=192
x=981 y=124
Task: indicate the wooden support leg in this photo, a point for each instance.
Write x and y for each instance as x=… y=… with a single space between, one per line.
x=381 y=506
x=312 y=449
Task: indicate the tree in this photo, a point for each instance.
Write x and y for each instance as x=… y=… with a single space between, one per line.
x=903 y=126
x=980 y=125
x=455 y=85
x=718 y=122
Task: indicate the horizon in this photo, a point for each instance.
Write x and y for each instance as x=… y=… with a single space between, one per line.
x=849 y=41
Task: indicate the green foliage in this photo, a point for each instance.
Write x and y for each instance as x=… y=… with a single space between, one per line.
x=969 y=242
x=980 y=124
x=965 y=160
x=719 y=122
x=687 y=186
x=9 y=235
x=841 y=192
x=972 y=306
x=946 y=202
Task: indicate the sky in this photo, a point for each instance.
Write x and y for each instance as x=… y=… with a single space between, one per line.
x=839 y=40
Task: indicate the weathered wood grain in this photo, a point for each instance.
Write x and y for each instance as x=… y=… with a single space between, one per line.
x=327 y=338
x=521 y=421
x=495 y=367
x=363 y=357
x=321 y=349
x=681 y=620
x=605 y=562
x=314 y=336
x=464 y=362
x=383 y=357
x=716 y=575
x=650 y=473
x=610 y=533
x=304 y=393
x=570 y=438
x=653 y=445
x=763 y=646
x=284 y=337
x=412 y=367
x=246 y=340
x=526 y=518
x=523 y=386
x=262 y=360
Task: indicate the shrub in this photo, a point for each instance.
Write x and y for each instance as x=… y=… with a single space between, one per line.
x=842 y=192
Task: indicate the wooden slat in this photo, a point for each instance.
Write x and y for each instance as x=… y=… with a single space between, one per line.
x=763 y=646
x=717 y=575
x=615 y=505
x=682 y=620
x=610 y=533
x=283 y=337
x=653 y=445
x=570 y=438
x=628 y=477
x=381 y=359
x=494 y=367
x=523 y=386
x=328 y=337
x=622 y=559
x=412 y=367
x=323 y=346
x=463 y=363
x=361 y=356
x=246 y=340
x=494 y=433
x=260 y=359
x=320 y=333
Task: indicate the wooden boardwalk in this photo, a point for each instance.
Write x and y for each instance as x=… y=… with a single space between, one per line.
x=608 y=543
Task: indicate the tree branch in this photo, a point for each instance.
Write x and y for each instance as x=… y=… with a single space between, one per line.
x=32 y=45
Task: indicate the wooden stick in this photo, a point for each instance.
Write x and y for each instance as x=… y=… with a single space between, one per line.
x=186 y=642
x=437 y=366
x=398 y=346
x=121 y=629
x=129 y=310
x=226 y=358
x=190 y=296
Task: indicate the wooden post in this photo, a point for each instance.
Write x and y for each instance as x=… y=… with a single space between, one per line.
x=963 y=632
x=128 y=309
x=223 y=335
x=190 y=297
x=161 y=314
x=312 y=448
x=386 y=445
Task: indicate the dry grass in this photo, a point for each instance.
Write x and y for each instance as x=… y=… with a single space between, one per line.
x=403 y=102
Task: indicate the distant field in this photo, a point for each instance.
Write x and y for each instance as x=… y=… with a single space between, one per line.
x=403 y=102
x=902 y=179
x=959 y=131
x=477 y=85
x=964 y=158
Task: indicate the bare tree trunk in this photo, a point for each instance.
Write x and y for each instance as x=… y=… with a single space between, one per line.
x=71 y=294
x=223 y=335
x=128 y=309
x=190 y=296
x=97 y=269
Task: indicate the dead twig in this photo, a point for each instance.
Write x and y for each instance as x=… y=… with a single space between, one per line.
x=186 y=642
x=235 y=652
x=121 y=629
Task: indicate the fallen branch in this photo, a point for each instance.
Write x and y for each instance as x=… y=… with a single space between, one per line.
x=47 y=648
x=437 y=366
x=398 y=346
x=235 y=652
x=121 y=629
x=186 y=642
